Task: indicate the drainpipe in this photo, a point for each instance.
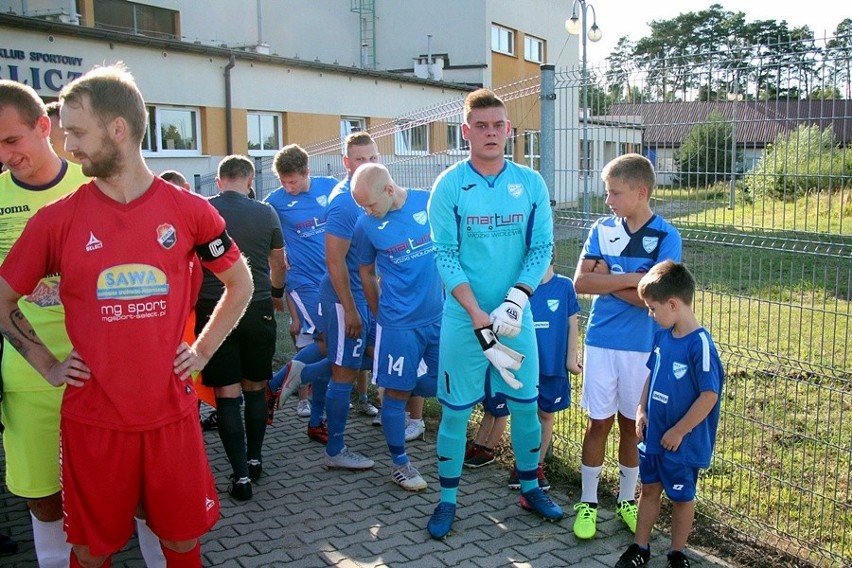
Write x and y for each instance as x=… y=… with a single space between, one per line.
x=229 y=126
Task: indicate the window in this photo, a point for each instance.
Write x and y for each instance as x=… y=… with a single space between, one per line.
x=533 y=49
x=509 y=150
x=411 y=139
x=264 y=134
x=125 y=16
x=532 y=149
x=502 y=40
x=456 y=144
x=348 y=125
x=172 y=130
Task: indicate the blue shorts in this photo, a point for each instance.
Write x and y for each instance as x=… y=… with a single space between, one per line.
x=554 y=393
x=344 y=351
x=462 y=367
x=679 y=480
x=400 y=354
x=306 y=300
x=494 y=403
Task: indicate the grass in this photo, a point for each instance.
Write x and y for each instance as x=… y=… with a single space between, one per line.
x=821 y=213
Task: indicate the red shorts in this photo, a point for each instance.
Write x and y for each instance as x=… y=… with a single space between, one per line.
x=107 y=473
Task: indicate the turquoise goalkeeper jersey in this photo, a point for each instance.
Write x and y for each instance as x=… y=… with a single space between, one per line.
x=491 y=232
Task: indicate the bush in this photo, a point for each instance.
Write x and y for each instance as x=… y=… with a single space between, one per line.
x=805 y=160
x=705 y=157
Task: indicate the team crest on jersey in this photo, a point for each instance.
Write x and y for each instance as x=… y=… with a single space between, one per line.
x=516 y=189
x=166 y=236
x=553 y=304
x=420 y=217
x=678 y=370
x=650 y=243
x=322 y=200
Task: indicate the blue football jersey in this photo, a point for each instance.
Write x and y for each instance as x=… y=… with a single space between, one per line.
x=614 y=323
x=490 y=231
x=551 y=305
x=302 y=221
x=681 y=369
x=340 y=217
x=401 y=246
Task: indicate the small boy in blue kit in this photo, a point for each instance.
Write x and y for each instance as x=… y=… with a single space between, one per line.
x=678 y=412
x=555 y=312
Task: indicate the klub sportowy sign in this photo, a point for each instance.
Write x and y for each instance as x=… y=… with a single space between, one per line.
x=41 y=70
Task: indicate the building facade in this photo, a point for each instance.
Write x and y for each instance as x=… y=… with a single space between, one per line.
x=248 y=76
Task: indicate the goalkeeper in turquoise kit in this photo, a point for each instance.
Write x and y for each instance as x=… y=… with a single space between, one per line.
x=493 y=233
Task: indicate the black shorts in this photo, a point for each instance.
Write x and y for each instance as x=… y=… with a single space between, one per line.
x=247 y=352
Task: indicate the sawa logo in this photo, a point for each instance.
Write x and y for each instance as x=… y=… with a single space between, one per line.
x=131 y=282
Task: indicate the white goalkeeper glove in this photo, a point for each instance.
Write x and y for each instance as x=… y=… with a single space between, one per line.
x=507 y=318
x=501 y=357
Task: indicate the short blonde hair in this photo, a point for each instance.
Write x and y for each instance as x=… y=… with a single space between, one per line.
x=481 y=98
x=112 y=93
x=635 y=169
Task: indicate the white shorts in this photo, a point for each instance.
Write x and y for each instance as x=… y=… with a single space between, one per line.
x=613 y=381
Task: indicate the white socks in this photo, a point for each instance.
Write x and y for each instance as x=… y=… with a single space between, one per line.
x=590 y=477
x=627 y=483
x=149 y=544
x=51 y=547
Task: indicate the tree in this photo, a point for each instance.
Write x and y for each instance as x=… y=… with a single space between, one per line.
x=839 y=55
x=705 y=157
x=619 y=68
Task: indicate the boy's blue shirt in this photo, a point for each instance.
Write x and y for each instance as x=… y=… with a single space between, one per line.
x=681 y=369
x=613 y=322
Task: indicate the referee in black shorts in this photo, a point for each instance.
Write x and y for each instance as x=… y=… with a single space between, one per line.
x=243 y=364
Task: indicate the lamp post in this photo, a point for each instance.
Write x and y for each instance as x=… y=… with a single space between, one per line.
x=574 y=26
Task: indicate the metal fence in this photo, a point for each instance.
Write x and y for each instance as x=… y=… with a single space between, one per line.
x=761 y=190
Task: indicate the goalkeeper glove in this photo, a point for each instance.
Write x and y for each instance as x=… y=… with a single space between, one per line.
x=507 y=319
x=501 y=357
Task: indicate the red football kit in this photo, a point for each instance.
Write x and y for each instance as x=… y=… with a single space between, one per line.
x=127 y=289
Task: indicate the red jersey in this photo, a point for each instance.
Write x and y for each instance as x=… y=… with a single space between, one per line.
x=127 y=288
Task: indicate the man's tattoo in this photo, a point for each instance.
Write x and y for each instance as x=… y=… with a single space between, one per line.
x=22 y=335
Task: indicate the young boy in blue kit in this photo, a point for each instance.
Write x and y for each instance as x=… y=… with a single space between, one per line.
x=618 y=252
x=555 y=313
x=678 y=412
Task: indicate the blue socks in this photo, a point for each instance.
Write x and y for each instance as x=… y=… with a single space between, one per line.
x=318 y=394
x=337 y=409
x=309 y=356
x=393 y=424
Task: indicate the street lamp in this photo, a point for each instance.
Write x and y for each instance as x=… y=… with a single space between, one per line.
x=574 y=26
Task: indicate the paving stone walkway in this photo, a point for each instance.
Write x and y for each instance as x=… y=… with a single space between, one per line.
x=305 y=516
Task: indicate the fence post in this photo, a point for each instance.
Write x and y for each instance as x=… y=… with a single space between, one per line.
x=547 y=137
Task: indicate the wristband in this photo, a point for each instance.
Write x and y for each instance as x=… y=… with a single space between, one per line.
x=277 y=292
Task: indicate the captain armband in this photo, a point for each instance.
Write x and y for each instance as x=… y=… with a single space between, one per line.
x=216 y=248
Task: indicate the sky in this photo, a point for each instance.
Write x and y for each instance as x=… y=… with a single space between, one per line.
x=618 y=18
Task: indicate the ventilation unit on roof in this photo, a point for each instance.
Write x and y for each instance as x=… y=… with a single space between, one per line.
x=429 y=68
